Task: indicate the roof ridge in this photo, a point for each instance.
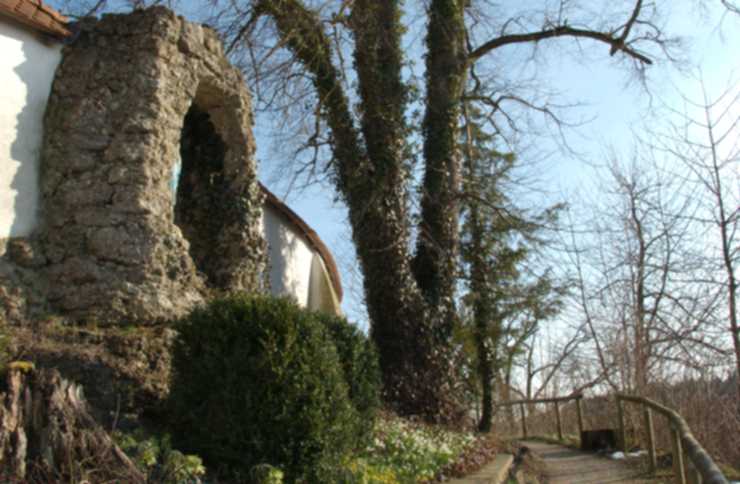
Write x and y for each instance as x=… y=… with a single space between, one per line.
x=37 y=15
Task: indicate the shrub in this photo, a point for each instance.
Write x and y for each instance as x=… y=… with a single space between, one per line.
x=359 y=362
x=156 y=458
x=405 y=451
x=256 y=380
x=265 y=474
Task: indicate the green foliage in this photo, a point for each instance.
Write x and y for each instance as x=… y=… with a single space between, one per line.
x=158 y=460
x=257 y=380
x=504 y=298
x=359 y=362
x=403 y=452
x=360 y=471
x=266 y=474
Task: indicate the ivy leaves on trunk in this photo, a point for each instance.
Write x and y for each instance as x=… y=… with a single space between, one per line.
x=353 y=54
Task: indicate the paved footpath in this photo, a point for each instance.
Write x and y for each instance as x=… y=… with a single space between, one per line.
x=569 y=466
x=495 y=472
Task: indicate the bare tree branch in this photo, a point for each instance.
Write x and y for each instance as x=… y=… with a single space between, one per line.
x=617 y=44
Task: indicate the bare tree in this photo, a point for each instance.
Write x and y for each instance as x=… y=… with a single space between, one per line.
x=645 y=313
x=541 y=375
x=705 y=139
x=731 y=6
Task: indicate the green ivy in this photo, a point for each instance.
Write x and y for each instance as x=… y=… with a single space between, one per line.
x=156 y=458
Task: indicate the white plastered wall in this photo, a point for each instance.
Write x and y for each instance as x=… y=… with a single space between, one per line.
x=321 y=294
x=27 y=66
x=289 y=257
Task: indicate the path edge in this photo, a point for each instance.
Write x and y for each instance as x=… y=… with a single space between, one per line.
x=495 y=472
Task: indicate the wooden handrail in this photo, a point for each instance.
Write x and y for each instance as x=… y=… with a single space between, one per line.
x=557 y=400
x=699 y=457
x=707 y=472
x=539 y=400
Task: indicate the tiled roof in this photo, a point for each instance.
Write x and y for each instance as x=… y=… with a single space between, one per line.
x=310 y=234
x=34 y=14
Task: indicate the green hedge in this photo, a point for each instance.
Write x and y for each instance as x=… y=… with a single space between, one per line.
x=359 y=361
x=256 y=380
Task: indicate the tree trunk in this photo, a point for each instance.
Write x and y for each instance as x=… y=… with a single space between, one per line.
x=410 y=311
x=416 y=378
x=482 y=316
x=506 y=396
x=410 y=297
x=48 y=435
x=486 y=374
x=435 y=261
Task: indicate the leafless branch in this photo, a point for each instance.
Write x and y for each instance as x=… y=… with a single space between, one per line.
x=560 y=31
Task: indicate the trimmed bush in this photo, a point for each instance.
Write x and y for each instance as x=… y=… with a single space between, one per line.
x=359 y=361
x=256 y=380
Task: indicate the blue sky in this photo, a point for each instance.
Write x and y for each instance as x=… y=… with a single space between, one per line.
x=612 y=102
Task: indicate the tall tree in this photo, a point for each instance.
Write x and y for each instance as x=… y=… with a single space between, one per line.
x=410 y=295
x=497 y=240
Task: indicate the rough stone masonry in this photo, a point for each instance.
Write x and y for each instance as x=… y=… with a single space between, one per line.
x=134 y=96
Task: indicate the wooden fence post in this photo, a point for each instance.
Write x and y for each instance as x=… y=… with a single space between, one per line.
x=524 y=420
x=651 y=439
x=622 y=433
x=678 y=467
x=557 y=418
x=579 y=412
x=693 y=476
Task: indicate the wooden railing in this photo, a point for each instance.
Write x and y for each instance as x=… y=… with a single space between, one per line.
x=555 y=401
x=701 y=468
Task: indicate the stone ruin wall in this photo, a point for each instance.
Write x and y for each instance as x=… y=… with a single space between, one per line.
x=133 y=95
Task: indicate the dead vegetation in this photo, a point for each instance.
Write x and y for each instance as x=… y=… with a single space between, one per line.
x=48 y=432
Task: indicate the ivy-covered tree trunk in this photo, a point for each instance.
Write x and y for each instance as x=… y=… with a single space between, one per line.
x=411 y=310
x=482 y=252
x=482 y=307
x=434 y=264
x=498 y=236
x=405 y=317
x=410 y=296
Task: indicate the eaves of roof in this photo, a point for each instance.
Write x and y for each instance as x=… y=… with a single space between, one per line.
x=312 y=237
x=36 y=15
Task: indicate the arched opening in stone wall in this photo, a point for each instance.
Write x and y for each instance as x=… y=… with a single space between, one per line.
x=199 y=190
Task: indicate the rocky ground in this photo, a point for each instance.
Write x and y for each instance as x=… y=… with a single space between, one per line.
x=124 y=370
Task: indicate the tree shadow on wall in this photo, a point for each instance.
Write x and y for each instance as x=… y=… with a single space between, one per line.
x=283 y=257
x=36 y=73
